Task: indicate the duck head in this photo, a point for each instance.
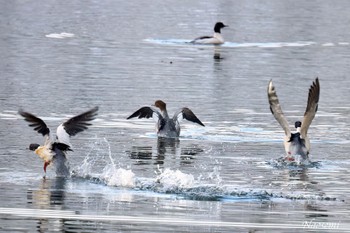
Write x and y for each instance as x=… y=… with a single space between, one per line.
x=297 y=125
x=160 y=104
x=218 y=26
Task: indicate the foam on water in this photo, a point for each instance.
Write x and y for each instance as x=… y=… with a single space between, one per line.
x=297 y=164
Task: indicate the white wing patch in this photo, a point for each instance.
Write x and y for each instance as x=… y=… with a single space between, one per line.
x=179 y=117
x=62 y=135
x=155 y=115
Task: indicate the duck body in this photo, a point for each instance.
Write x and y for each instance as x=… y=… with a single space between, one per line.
x=60 y=162
x=297 y=143
x=216 y=39
x=166 y=127
x=296 y=146
x=54 y=152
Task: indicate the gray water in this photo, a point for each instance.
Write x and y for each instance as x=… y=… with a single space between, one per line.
x=60 y=58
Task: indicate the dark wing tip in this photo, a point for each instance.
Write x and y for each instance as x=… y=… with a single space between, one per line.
x=270 y=87
x=314 y=96
x=90 y=115
x=190 y=116
x=199 y=122
x=38 y=124
x=135 y=114
x=272 y=95
x=144 y=112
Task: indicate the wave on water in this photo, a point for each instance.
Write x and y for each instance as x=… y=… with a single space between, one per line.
x=182 y=42
x=184 y=186
x=61 y=35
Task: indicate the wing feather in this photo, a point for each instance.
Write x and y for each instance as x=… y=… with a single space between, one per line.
x=38 y=124
x=311 y=108
x=146 y=112
x=187 y=114
x=276 y=109
x=75 y=125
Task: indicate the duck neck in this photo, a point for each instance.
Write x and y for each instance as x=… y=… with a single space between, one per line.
x=164 y=113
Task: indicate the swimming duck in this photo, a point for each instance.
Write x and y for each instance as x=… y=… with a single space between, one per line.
x=215 y=39
x=296 y=143
x=54 y=151
x=166 y=126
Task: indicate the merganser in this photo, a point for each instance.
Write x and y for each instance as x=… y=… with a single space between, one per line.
x=54 y=152
x=166 y=127
x=296 y=143
x=215 y=39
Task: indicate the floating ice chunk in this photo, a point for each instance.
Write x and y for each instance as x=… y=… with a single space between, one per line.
x=61 y=35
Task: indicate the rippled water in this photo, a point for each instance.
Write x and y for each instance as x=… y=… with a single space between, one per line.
x=61 y=58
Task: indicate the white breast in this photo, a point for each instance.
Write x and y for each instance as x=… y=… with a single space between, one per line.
x=45 y=153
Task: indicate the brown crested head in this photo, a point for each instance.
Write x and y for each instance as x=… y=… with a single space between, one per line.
x=160 y=104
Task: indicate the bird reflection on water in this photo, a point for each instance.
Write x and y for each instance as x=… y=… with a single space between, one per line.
x=49 y=195
x=166 y=147
x=51 y=192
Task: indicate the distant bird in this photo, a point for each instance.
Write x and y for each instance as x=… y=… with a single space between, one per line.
x=296 y=143
x=166 y=127
x=54 y=151
x=215 y=39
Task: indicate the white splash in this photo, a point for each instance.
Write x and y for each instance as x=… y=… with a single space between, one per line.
x=118 y=177
x=170 y=178
x=61 y=35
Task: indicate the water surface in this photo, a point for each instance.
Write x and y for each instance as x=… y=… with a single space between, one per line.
x=59 y=59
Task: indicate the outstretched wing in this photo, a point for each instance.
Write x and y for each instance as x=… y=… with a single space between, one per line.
x=146 y=112
x=276 y=109
x=75 y=125
x=311 y=108
x=38 y=124
x=186 y=113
